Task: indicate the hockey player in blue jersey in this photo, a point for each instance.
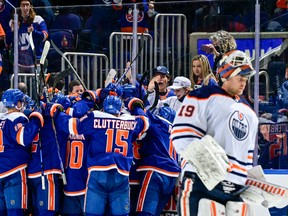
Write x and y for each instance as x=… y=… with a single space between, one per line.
x=16 y=134
x=75 y=153
x=156 y=166
x=109 y=156
x=46 y=166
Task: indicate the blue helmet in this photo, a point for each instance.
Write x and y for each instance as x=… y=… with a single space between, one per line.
x=11 y=97
x=167 y=113
x=128 y=91
x=112 y=104
x=61 y=99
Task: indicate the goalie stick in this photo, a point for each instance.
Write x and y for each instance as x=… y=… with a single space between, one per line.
x=69 y=63
x=268 y=187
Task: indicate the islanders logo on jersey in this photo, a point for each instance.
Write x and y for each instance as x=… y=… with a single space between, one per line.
x=129 y=16
x=239 y=125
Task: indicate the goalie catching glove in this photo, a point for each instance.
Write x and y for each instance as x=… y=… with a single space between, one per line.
x=209 y=159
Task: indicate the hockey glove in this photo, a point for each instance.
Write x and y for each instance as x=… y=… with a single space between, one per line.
x=37 y=115
x=132 y=103
x=53 y=109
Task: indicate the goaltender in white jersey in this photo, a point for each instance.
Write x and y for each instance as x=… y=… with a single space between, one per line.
x=221 y=113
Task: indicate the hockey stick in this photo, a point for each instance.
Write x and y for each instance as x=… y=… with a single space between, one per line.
x=110 y=77
x=69 y=63
x=38 y=104
x=145 y=74
x=42 y=78
x=130 y=66
x=61 y=75
x=156 y=96
x=42 y=81
x=36 y=90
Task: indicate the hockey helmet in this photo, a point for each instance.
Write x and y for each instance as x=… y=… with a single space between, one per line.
x=128 y=91
x=112 y=104
x=167 y=113
x=61 y=99
x=235 y=63
x=11 y=97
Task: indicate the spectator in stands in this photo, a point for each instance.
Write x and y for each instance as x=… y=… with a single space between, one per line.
x=4 y=78
x=181 y=87
x=2 y=37
x=145 y=13
x=29 y=23
x=105 y=21
x=45 y=11
x=201 y=73
x=161 y=76
x=221 y=43
x=5 y=15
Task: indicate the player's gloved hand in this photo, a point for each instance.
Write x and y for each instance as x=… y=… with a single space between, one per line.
x=59 y=98
x=53 y=109
x=128 y=91
x=133 y=102
x=112 y=87
x=37 y=115
x=27 y=112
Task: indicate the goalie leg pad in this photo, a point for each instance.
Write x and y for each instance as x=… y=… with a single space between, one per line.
x=209 y=159
x=238 y=209
x=209 y=207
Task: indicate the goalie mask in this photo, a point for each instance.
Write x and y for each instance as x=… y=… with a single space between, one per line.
x=223 y=41
x=235 y=63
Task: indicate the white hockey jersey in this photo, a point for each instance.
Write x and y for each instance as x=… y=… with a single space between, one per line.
x=233 y=124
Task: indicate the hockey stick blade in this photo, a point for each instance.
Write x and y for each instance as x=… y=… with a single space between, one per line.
x=69 y=63
x=110 y=77
x=45 y=52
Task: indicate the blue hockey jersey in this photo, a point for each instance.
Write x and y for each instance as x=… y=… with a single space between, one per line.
x=76 y=165
x=156 y=151
x=111 y=137
x=40 y=34
x=50 y=152
x=16 y=135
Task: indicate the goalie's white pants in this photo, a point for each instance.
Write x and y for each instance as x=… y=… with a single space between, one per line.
x=193 y=190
